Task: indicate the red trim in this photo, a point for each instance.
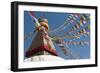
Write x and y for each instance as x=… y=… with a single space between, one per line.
x=41 y=48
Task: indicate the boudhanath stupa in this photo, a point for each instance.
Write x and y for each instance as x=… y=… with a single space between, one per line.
x=42 y=47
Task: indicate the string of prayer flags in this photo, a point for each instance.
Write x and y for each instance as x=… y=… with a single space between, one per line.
x=59 y=41
x=82 y=43
x=61 y=44
x=68 y=20
x=87 y=16
x=73 y=17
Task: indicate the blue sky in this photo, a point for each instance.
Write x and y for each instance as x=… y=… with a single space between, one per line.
x=55 y=20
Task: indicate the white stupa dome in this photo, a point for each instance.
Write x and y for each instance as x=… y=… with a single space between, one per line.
x=44 y=58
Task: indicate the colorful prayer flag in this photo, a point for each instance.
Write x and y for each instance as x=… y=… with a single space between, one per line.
x=35 y=19
x=77 y=26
